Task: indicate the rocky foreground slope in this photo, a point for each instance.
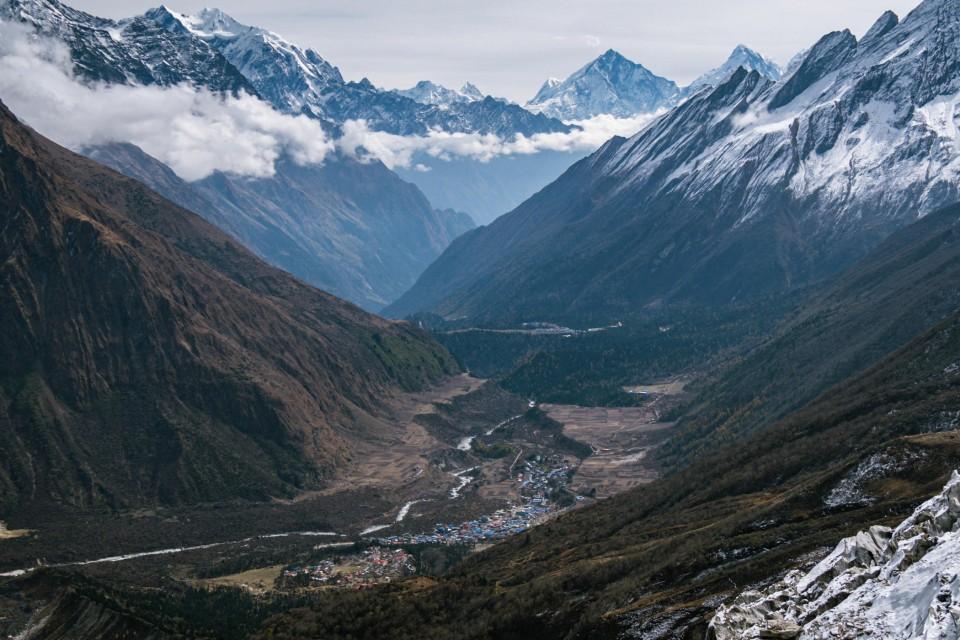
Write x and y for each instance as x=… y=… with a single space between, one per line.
x=882 y=583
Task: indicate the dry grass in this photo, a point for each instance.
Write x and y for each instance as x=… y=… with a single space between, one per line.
x=397 y=457
x=621 y=439
x=258 y=581
x=9 y=534
x=672 y=388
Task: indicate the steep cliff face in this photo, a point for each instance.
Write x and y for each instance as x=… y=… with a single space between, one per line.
x=906 y=285
x=149 y=358
x=139 y=50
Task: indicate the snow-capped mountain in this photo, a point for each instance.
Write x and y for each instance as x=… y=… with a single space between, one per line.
x=138 y=50
x=610 y=84
x=881 y=583
x=213 y=50
x=742 y=56
x=297 y=80
x=291 y=78
x=426 y=92
x=753 y=188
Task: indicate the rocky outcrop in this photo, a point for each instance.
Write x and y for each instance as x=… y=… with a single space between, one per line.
x=881 y=583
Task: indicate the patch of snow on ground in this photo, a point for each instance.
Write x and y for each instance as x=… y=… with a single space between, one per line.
x=850 y=491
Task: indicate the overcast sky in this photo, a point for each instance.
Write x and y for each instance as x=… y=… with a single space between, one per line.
x=509 y=47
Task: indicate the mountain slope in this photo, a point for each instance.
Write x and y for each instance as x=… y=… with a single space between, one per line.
x=290 y=78
x=148 y=358
x=750 y=189
x=355 y=230
x=906 y=285
x=611 y=84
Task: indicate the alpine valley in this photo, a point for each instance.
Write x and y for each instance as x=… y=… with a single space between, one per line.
x=695 y=376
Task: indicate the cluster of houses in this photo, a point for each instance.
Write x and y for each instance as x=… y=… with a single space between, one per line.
x=539 y=479
x=542 y=476
x=374 y=565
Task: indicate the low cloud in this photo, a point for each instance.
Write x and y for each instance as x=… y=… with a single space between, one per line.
x=196 y=132
x=393 y=150
x=193 y=131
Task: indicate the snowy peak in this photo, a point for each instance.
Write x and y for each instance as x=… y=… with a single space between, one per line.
x=291 y=78
x=213 y=50
x=610 y=59
x=154 y=48
x=206 y=24
x=882 y=26
x=610 y=84
x=742 y=56
x=426 y=92
x=829 y=54
x=861 y=139
x=165 y=17
x=471 y=91
x=211 y=23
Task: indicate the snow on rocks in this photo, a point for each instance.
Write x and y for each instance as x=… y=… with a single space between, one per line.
x=881 y=583
x=850 y=489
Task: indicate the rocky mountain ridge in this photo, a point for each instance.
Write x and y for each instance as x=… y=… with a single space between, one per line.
x=353 y=228
x=741 y=57
x=426 y=92
x=213 y=50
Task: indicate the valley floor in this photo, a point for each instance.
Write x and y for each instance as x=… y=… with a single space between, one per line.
x=461 y=465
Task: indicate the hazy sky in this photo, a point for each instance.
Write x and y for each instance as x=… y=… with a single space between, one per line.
x=509 y=47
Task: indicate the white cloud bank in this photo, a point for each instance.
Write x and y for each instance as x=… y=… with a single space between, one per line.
x=193 y=131
x=196 y=132
x=401 y=151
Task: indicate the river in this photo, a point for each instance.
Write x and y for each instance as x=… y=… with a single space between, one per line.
x=172 y=550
